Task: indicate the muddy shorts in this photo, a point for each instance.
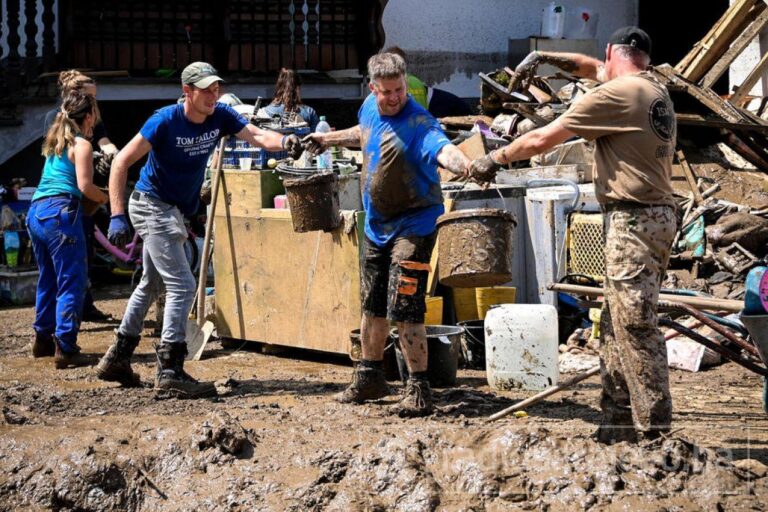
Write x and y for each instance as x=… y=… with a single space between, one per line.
x=395 y=278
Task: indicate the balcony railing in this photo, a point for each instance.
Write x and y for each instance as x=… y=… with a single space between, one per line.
x=148 y=38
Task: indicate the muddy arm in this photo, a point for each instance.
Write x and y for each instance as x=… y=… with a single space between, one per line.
x=452 y=159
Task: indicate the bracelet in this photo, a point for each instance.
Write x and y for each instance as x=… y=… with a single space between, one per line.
x=282 y=141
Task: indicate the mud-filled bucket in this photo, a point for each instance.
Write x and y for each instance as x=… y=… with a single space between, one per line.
x=389 y=364
x=475 y=247
x=314 y=202
x=443 y=345
x=473 y=344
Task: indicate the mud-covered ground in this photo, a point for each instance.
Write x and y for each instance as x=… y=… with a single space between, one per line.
x=274 y=440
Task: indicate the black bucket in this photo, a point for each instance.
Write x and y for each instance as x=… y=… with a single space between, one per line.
x=314 y=202
x=391 y=370
x=443 y=346
x=473 y=344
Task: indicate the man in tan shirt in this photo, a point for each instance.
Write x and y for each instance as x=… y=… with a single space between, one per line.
x=631 y=119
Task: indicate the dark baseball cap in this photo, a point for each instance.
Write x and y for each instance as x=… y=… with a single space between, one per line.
x=632 y=36
x=200 y=74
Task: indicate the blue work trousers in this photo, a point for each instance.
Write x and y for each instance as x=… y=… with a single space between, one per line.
x=56 y=229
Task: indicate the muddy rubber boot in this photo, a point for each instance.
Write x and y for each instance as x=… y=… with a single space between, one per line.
x=115 y=366
x=43 y=346
x=417 y=400
x=63 y=360
x=172 y=381
x=367 y=384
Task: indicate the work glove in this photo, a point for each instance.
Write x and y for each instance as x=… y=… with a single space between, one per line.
x=119 y=232
x=483 y=170
x=102 y=162
x=525 y=71
x=292 y=144
x=313 y=143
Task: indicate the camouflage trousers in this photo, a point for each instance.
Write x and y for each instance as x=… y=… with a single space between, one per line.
x=633 y=354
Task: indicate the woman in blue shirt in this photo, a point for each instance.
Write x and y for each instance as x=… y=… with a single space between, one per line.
x=288 y=99
x=55 y=225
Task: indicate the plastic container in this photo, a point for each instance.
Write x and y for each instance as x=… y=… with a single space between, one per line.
x=443 y=345
x=314 y=202
x=553 y=21
x=281 y=202
x=464 y=304
x=325 y=159
x=492 y=296
x=434 y=314
x=581 y=24
x=18 y=288
x=521 y=346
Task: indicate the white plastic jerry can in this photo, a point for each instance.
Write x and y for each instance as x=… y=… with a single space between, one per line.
x=521 y=346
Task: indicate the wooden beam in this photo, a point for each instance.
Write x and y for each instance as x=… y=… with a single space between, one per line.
x=709 y=50
x=706 y=96
x=750 y=81
x=688 y=172
x=697 y=120
x=736 y=49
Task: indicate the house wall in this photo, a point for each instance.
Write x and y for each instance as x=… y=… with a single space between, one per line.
x=449 y=41
x=747 y=61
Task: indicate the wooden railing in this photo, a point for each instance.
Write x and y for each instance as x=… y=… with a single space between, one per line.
x=149 y=37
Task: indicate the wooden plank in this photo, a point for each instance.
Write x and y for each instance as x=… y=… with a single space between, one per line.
x=709 y=50
x=750 y=81
x=706 y=96
x=527 y=111
x=433 y=277
x=697 y=120
x=736 y=49
x=688 y=172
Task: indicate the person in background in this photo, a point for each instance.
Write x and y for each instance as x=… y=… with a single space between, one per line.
x=402 y=146
x=74 y=80
x=55 y=225
x=439 y=102
x=178 y=140
x=287 y=99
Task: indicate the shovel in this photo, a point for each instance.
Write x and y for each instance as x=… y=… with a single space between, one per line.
x=199 y=330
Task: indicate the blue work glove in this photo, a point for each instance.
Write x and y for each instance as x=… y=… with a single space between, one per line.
x=119 y=233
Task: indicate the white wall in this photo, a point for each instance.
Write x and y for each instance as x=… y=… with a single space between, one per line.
x=449 y=41
x=747 y=61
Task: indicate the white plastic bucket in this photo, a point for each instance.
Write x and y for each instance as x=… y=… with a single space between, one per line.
x=521 y=346
x=553 y=21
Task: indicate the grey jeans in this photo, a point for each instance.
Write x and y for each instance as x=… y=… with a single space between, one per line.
x=162 y=230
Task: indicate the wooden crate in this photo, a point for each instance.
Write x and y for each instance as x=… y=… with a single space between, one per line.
x=276 y=286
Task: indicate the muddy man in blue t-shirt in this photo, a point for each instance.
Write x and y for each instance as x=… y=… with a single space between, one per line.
x=402 y=146
x=178 y=139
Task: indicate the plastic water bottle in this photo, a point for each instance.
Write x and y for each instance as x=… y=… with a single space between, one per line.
x=324 y=160
x=553 y=21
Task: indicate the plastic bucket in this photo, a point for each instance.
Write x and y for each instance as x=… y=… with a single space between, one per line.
x=314 y=202
x=473 y=344
x=491 y=296
x=434 y=314
x=443 y=345
x=391 y=370
x=475 y=247
x=465 y=304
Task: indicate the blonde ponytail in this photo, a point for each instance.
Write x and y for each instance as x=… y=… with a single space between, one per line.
x=69 y=122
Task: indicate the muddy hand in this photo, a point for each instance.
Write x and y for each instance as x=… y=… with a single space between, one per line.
x=292 y=144
x=313 y=143
x=525 y=71
x=483 y=170
x=102 y=162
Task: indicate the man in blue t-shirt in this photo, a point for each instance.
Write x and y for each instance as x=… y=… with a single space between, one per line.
x=402 y=146
x=179 y=139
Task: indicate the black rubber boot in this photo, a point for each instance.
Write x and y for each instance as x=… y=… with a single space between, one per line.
x=43 y=346
x=367 y=384
x=172 y=381
x=115 y=366
x=62 y=360
x=417 y=400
